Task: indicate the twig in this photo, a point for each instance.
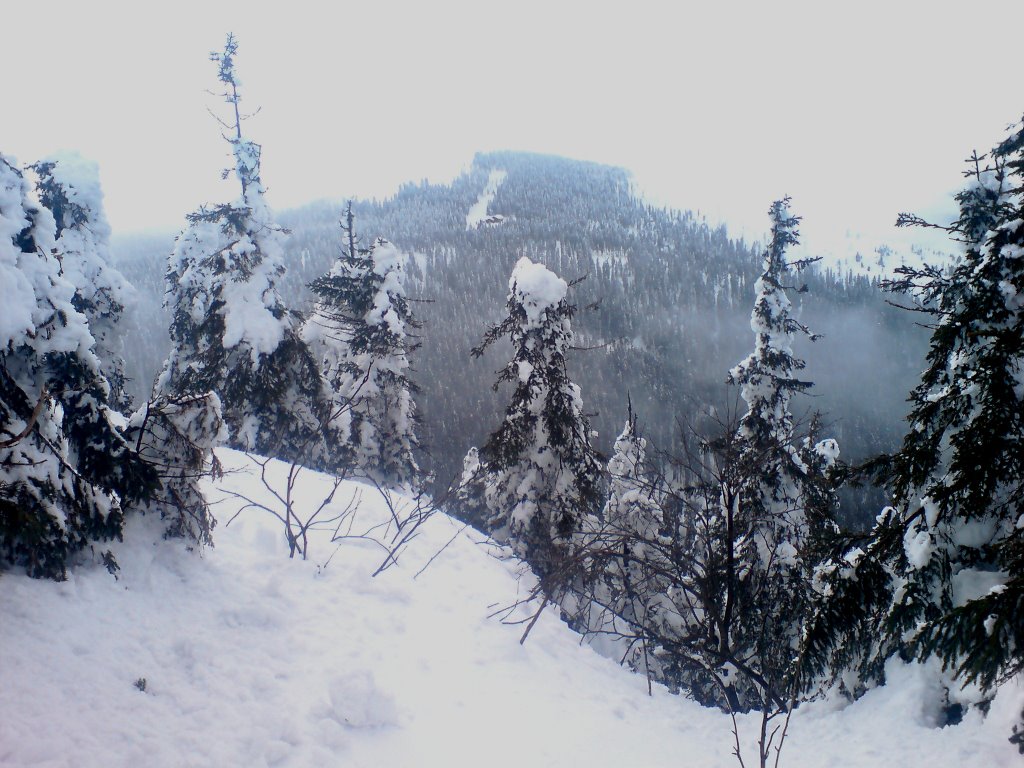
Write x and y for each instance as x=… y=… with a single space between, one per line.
x=442 y=549
x=536 y=616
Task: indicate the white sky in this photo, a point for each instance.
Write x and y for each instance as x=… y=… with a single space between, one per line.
x=857 y=110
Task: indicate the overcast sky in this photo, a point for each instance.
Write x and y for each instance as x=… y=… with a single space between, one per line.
x=857 y=110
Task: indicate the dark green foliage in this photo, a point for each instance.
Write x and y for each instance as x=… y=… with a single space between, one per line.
x=841 y=646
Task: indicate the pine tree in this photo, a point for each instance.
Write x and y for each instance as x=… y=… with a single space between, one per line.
x=69 y=187
x=954 y=538
x=544 y=475
x=65 y=470
x=231 y=332
x=360 y=333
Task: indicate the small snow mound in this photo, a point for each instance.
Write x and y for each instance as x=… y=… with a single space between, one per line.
x=828 y=450
x=357 y=702
x=537 y=288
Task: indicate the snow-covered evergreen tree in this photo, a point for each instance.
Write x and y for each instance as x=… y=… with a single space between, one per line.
x=69 y=187
x=544 y=476
x=768 y=380
x=955 y=536
x=632 y=512
x=65 y=470
x=785 y=500
x=231 y=332
x=470 y=496
x=734 y=555
x=360 y=331
x=941 y=572
x=177 y=437
x=628 y=549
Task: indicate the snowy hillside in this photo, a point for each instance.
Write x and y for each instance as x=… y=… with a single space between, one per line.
x=478 y=213
x=242 y=657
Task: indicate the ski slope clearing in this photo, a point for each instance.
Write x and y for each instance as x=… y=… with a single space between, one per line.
x=478 y=213
x=251 y=659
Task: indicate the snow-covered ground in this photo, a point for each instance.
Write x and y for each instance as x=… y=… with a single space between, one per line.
x=252 y=659
x=478 y=212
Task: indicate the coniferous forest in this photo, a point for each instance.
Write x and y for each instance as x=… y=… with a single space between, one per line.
x=744 y=476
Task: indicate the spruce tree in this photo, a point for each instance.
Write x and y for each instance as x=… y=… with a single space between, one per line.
x=544 y=477
x=231 y=332
x=954 y=538
x=470 y=496
x=629 y=549
x=176 y=436
x=941 y=571
x=65 y=470
x=735 y=552
x=782 y=501
x=69 y=187
x=360 y=331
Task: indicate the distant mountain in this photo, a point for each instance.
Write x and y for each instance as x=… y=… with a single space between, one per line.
x=664 y=306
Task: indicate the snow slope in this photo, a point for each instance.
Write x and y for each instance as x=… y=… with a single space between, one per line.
x=478 y=212
x=252 y=659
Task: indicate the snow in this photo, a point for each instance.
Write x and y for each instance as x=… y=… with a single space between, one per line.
x=918 y=546
x=973 y=584
x=249 y=313
x=251 y=659
x=609 y=257
x=80 y=179
x=388 y=262
x=538 y=289
x=33 y=293
x=828 y=449
x=478 y=212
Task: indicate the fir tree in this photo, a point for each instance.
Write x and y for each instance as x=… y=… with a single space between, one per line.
x=544 y=477
x=360 y=332
x=628 y=550
x=941 y=571
x=176 y=436
x=69 y=187
x=231 y=332
x=65 y=470
x=725 y=567
x=954 y=538
x=782 y=499
x=470 y=496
